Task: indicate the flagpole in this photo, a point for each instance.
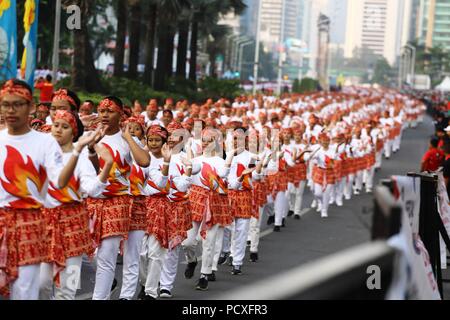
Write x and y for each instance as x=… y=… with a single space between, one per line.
x=55 y=59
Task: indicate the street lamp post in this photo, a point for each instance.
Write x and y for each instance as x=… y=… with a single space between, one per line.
x=280 y=55
x=55 y=58
x=241 y=51
x=258 y=36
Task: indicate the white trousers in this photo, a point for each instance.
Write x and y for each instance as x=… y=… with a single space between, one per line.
x=359 y=180
x=170 y=268
x=69 y=280
x=322 y=194
x=218 y=248
x=189 y=245
x=152 y=256
x=378 y=159
x=106 y=267
x=227 y=238
x=296 y=197
x=368 y=177
x=388 y=148
x=241 y=227
x=281 y=207
x=348 y=187
x=26 y=286
x=255 y=229
x=208 y=249
x=396 y=143
x=130 y=275
x=339 y=190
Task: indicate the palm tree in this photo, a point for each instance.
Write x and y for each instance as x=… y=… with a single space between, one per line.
x=216 y=45
x=135 y=37
x=119 y=53
x=170 y=10
x=84 y=74
x=206 y=14
x=150 y=42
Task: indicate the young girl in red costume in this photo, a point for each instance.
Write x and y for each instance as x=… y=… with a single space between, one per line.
x=110 y=213
x=28 y=161
x=66 y=216
x=157 y=234
x=209 y=203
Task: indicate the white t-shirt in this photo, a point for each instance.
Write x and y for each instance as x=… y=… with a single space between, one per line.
x=210 y=173
x=27 y=163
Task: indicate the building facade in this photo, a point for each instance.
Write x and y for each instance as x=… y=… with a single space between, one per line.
x=434 y=23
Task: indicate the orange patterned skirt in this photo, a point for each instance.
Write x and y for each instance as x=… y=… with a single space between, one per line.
x=277 y=182
x=22 y=242
x=337 y=168
x=259 y=196
x=219 y=206
x=323 y=176
x=167 y=221
x=371 y=159
x=109 y=217
x=138 y=213
x=67 y=232
x=241 y=203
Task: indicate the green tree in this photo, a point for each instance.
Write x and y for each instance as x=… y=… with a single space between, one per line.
x=382 y=72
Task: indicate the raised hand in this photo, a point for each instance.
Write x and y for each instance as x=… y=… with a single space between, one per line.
x=87 y=139
x=166 y=152
x=126 y=133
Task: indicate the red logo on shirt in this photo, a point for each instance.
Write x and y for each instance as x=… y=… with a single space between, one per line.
x=64 y=195
x=211 y=179
x=18 y=173
x=117 y=176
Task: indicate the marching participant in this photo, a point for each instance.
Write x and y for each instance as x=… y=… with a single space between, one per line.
x=300 y=171
x=209 y=204
x=323 y=173
x=160 y=233
x=111 y=211
x=242 y=173
x=180 y=180
x=138 y=212
x=67 y=227
x=24 y=163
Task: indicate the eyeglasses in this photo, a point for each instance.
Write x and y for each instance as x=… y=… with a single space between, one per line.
x=15 y=105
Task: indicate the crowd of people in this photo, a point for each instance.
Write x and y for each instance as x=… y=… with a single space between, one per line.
x=78 y=180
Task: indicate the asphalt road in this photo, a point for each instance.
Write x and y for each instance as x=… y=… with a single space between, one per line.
x=301 y=241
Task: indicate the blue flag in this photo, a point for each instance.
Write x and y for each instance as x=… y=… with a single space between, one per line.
x=30 y=23
x=8 y=40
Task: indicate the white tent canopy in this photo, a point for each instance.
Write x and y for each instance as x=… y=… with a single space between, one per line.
x=445 y=85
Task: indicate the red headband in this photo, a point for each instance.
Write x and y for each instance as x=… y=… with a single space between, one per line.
x=173 y=126
x=156 y=130
x=140 y=120
x=62 y=94
x=15 y=89
x=109 y=105
x=69 y=118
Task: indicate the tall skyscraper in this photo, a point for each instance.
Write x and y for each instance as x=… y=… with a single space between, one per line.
x=380 y=25
x=434 y=23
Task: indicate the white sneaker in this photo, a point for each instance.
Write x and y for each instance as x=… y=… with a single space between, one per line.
x=324 y=215
x=319 y=207
x=332 y=201
x=368 y=190
x=356 y=192
x=339 y=203
x=314 y=204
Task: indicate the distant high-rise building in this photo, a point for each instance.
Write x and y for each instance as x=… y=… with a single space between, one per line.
x=337 y=12
x=434 y=23
x=380 y=25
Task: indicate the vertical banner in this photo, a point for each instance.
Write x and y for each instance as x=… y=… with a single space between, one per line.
x=8 y=40
x=30 y=23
